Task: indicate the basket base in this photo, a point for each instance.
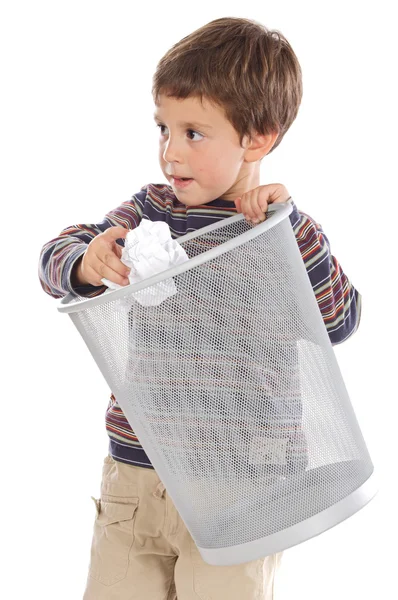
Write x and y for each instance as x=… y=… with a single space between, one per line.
x=296 y=534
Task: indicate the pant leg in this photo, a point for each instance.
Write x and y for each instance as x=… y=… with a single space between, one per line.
x=131 y=559
x=197 y=580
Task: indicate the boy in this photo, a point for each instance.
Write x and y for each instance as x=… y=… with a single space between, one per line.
x=225 y=95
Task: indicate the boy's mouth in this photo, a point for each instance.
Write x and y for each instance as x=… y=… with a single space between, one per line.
x=181 y=182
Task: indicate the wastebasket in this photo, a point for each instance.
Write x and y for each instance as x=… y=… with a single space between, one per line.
x=234 y=391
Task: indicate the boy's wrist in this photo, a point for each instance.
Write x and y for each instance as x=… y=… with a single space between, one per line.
x=76 y=274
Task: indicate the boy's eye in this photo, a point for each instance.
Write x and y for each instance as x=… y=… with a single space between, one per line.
x=190 y=132
x=161 y=127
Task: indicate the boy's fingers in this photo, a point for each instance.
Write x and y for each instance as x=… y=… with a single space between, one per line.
x=111 y=260
x=114 y=277
x=256 y=208
x=254 y=204
x=278 y=193
x=118 y=249
x=247 y=205
x=241 y=205
x=112 y=269
x=252 y=210
x=263 y=202
x=92 y=276
x=114 y=233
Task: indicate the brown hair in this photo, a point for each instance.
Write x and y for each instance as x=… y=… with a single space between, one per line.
x=240 y=65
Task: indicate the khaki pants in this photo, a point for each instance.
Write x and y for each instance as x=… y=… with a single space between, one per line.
x=142 y=550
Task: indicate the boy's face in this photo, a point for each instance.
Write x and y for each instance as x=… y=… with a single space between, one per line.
x=198 y=142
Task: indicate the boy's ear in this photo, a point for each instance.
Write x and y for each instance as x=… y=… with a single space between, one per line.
x=259 y=145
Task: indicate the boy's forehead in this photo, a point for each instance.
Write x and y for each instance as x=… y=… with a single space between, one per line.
x=189 y=109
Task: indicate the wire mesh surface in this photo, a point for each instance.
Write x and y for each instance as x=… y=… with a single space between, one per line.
x=233 y=389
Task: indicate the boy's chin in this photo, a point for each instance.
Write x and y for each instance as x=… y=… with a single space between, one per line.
x=192 y=199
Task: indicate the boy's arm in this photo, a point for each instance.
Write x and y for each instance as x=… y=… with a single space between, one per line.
x=59 y=257
x=339 y=302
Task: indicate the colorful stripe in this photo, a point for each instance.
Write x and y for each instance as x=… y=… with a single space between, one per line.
x=339 y=302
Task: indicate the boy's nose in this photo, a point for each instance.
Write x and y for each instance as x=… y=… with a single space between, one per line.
x=172 y=153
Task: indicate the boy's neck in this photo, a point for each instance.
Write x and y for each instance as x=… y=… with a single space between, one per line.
x=248 y=179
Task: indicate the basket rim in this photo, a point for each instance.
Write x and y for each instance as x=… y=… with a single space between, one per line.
x=278 y=213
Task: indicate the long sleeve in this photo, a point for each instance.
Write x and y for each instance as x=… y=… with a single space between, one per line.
x=339 y=302
x=58 y=256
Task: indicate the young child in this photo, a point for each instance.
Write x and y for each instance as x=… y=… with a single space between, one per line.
x=225 y=96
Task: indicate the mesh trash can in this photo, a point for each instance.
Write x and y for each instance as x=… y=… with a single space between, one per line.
x=233 y=389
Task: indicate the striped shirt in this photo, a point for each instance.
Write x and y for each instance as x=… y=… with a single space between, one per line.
x=339 y=302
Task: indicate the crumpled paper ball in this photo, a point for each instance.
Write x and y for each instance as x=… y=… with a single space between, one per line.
x=149 y=249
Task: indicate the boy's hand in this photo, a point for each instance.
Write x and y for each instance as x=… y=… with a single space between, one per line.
x=254 y=204
x=102 y=259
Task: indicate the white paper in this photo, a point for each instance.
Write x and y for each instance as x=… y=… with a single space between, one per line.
x=149 y=249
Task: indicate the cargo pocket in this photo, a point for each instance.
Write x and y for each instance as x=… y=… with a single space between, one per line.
x=113 y=538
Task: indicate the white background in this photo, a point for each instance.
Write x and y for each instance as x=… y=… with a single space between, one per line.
x=78 y=139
